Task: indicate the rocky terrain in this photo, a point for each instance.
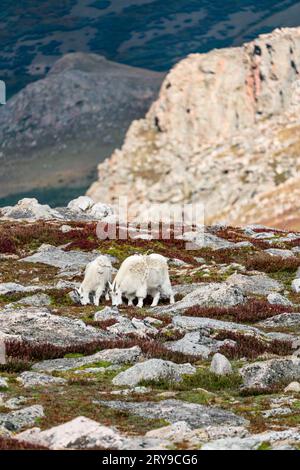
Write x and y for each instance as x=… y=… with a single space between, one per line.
x=56 y=129
x=224 y=131
x=219 y=369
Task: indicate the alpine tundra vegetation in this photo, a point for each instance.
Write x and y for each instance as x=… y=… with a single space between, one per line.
x=219 y=368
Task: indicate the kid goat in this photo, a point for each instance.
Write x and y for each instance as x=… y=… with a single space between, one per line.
x=98 y=275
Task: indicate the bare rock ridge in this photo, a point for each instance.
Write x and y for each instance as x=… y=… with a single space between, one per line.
x=224 y=131
x=56 y=129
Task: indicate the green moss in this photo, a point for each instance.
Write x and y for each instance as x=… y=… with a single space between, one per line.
x=95 y=364
x=73 y=355
x=265 y=446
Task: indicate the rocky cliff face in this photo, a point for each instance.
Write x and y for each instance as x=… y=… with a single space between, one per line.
x=56 y=129
x=224 y=131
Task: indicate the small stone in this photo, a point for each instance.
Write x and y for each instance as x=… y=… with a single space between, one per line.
x=66 y=228
x=108 y=313
x=81 y=204
x=220 y=365
x=173 y=432
x=292 y=387
x=296 y=285
x=3 y=382
x=277 y=299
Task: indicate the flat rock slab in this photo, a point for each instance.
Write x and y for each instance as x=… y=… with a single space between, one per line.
x=15 y=288
x=198 y=323
x=279 y=252
x=34 y=379
x=80 y=433
x=282 y=320
x=40 y=326
x=136 y=326
x=260 y=284
x=265 y=374
x=197 y=343
x=207 y=240
x=112 y=356
x=154 y=370
x=253 y=442
x=16 y=420
x=55 y=256
x=196 y=416
x=206 y=295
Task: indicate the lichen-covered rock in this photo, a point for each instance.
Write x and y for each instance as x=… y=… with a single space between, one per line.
x=13 y=287
x=284 y=320
x=277 y=299
x=265 y=374
x=37 y=300
x=197 y=343
x=220 y=365
x=40 y=326
x=196 y=416
x=80 y=433
x=207 y=295
x=108 y=313
x=55 y=256
x=114 y=356
x=16 y=420
x=280 y=252
x=254 y=441
x=34 y=379
x=260 y=284
x=29 y=209
x=153 y=370
x=125 y=326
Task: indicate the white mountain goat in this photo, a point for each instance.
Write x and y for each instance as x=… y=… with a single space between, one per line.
x=139 y=276
x=98 y=275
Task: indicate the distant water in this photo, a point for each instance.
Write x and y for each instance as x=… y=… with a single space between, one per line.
x=56 y=197
x=146 y=33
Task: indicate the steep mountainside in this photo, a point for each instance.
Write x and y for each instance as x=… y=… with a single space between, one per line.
x=224 y=131
x=55 y=130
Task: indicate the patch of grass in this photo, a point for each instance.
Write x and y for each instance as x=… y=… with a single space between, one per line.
x=73 y=355
x=203 y=378
x=79 y=401
x=265 y=446
x=95 y=364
